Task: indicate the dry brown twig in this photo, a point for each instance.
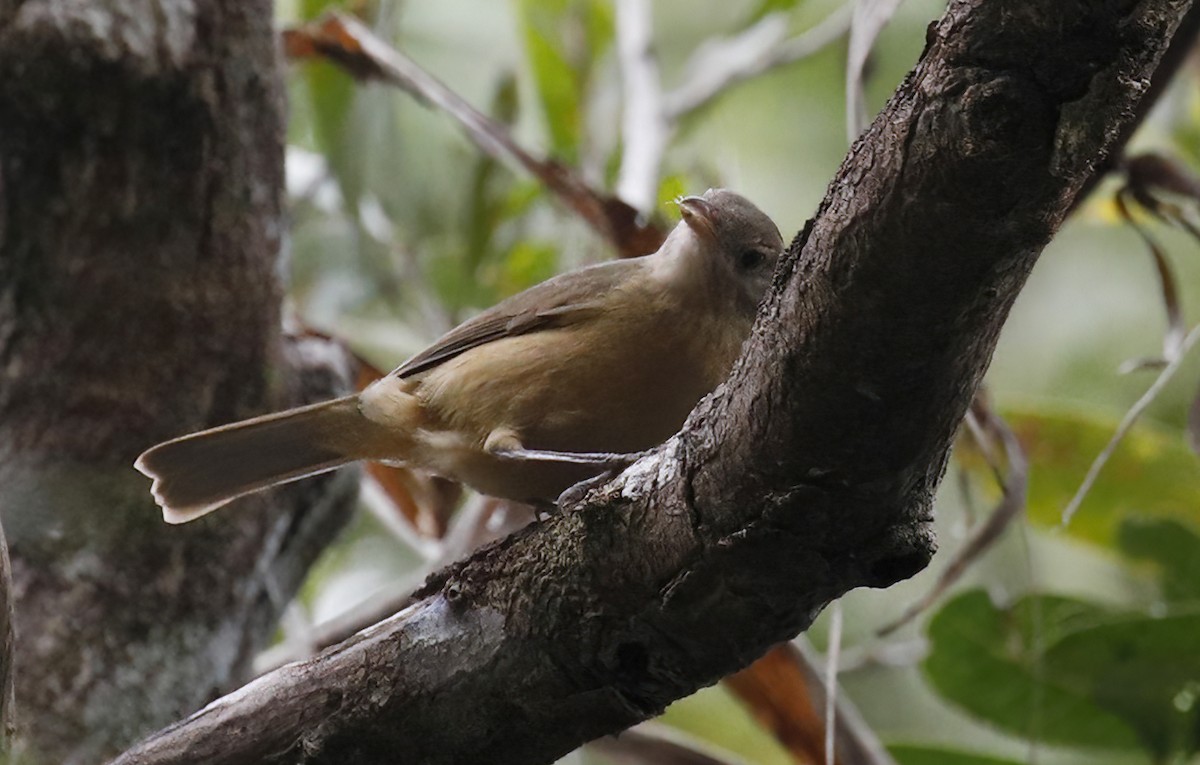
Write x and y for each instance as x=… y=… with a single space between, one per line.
x=347 y=42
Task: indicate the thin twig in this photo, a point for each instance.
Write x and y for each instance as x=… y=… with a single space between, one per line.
x=856 y=742
x=1127 y=422
x=1173 y=337
x=378 y=607
x=717 y=66
x=884 y=653
x=376 y=222
x=831 y=678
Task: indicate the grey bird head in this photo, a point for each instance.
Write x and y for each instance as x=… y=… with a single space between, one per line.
x=748 y=242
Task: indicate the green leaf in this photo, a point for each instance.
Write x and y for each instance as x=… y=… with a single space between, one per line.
x=490 y=185
x=912 y=754
x=527 y=264
x=1151 y=475
x=600 y=26
x=311 y=9
x=331 y=94
x=1144 y=669
x=987 y=661
x=563 y=40
x=767 y=7
x=1069 y=672
x=671 y=188
x=1172 y=546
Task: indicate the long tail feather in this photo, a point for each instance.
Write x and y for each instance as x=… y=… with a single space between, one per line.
x=198 y=473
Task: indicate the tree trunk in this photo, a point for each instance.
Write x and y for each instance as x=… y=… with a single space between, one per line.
x=141 y=161
x=811 y=472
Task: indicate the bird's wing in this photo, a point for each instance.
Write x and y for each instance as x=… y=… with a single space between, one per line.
x=556 y=302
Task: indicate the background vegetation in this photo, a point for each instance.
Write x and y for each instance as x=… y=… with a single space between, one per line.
x=1075 y=643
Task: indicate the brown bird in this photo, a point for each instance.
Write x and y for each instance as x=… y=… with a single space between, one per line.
x=529 y=397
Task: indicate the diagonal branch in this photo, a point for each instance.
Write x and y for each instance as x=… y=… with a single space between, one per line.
x=344 y=40
x=811 y=472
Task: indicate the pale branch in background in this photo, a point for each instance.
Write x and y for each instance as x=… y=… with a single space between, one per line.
x=870 y=17
x=650 y=117
x=1127 y=422
x=376 y=501
x=644 y=128
x=832 y=657
x=717 y=66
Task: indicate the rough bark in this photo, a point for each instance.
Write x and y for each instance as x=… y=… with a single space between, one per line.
x=141 y=160
x=810 y=473
x=7 y=687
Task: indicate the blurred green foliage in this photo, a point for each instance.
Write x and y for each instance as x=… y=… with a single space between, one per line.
x=1069 y=672
x=1062 y=645
x=563 y=41
x=1152 y=475
x=906 y=754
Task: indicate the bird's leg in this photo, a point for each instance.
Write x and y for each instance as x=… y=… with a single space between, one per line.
x=576 y=492
x=506 y=444
x=543 y=510
x=605 y=460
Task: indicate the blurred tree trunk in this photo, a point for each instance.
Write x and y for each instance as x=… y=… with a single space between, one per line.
x=141 y=164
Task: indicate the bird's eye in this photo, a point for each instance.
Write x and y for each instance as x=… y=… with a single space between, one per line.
x=750 y=259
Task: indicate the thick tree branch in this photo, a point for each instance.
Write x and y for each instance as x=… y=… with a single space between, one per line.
x=1182 y=44
x=810 y=473
x=7 y=651
x=141 y=168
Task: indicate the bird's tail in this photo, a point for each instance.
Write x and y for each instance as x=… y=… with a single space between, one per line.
x=198 y=473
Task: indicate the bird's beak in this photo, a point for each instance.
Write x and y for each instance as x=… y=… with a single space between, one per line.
x=698 y=214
